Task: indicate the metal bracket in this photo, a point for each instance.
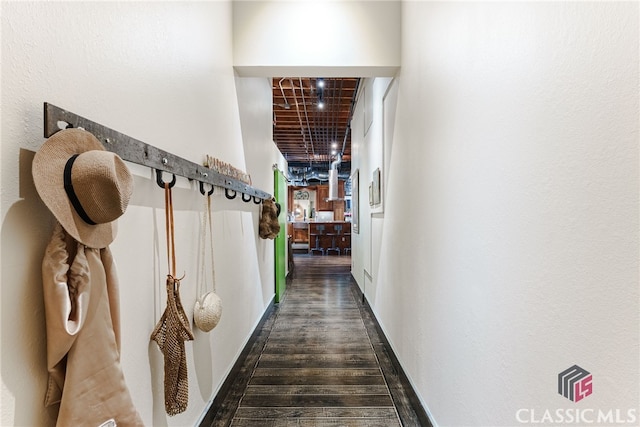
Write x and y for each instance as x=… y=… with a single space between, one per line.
x=135 y=151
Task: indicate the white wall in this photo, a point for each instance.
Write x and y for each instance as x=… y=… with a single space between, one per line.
x=255 y=98
x=367 y=137
x=312 y=38
x=162 y=73
x=510 y=240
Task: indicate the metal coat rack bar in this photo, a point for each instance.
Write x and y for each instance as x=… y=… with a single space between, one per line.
x=135 y=151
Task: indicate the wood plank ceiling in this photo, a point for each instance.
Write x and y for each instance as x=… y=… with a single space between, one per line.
x=311 y=118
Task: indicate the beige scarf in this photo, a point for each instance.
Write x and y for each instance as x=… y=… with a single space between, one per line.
x=83 y=336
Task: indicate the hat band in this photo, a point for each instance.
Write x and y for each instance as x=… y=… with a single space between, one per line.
x=73 y=198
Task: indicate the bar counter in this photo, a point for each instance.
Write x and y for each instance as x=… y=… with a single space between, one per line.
x=329 y=238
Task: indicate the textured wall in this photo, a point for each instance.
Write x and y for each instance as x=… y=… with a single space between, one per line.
x=510 y=245
x=160 y=72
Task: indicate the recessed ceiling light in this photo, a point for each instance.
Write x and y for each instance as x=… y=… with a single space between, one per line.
x=320 y=82
x=321 y=105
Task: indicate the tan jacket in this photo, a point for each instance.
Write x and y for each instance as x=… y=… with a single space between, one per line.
x=83 y=336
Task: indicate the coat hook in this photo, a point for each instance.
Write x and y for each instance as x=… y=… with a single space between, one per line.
x=160 y=182
x=210 y=192
x=226 y=193
x=246 y=200
x=257 y=200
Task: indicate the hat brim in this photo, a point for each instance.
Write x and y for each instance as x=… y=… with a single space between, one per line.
x=48 y=176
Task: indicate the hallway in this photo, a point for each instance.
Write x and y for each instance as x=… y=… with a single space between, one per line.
x=317 y=360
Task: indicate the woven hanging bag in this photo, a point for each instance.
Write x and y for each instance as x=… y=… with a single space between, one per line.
x=170 y=334
x=208 y=307
x=173 y=330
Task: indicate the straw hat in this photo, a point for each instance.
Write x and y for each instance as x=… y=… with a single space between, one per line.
x=86 y=187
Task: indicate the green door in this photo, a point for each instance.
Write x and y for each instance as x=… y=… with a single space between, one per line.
x=280 y=193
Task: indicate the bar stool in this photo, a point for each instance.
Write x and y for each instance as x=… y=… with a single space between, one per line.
x=301 y=237
x=319 y=232
x=337 y=229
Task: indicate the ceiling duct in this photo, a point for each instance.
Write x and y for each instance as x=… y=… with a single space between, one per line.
x=311 y=176
x=333 y=178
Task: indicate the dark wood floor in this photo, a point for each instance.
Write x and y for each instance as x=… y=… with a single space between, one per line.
x=316 y=361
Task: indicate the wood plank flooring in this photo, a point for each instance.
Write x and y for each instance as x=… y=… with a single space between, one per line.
x=313 y=362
